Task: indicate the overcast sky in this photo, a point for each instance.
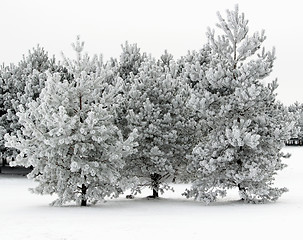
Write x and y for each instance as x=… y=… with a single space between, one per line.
x=155 y=25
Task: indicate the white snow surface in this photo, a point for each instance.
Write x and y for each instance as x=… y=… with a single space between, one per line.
x=27 y=216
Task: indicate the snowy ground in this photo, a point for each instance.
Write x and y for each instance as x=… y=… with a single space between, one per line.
x=27 y=216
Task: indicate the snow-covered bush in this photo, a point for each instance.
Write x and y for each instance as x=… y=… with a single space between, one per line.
x=246 y=125
x=69 y=137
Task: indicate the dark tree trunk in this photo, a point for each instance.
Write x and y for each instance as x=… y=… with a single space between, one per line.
x=4 y=162
x=155 y=184
x=83 y=195
x=243 y=190
x=155 y=193
x=80 y=106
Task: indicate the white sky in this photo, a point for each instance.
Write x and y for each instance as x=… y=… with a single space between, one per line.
x=155 y=25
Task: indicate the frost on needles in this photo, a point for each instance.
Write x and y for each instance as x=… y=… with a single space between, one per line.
x=95 y=129
x=19 y=84
x=69 y=135
x=156 y=105
x=247 y=127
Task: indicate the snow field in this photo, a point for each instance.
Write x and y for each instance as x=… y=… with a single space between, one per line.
x=27 y=216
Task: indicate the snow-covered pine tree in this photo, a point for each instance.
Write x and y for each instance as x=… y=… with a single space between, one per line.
x=68 y=134
x=157 y=108
x=247 y=126
x=20 y=84
x=297 y=109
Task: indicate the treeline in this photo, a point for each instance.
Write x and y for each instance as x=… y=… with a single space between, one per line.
x=92 y=129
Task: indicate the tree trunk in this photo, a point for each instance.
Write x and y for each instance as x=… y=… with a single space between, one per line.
x=83 y=195
x=80 y=106
x=155 y=184
x=242 y=190
x=4 y=162
x=155 y=193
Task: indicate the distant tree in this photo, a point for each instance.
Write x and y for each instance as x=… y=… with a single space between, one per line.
x=297 y=108
x=69 y=137
x=246 y=126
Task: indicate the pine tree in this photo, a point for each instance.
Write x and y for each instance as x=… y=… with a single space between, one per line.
x=157 y=108
x=20 y=84
x=246 y=125
x=297 y=109
x=69 y=137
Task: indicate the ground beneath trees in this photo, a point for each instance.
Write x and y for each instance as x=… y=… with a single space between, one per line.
x=27 y=216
